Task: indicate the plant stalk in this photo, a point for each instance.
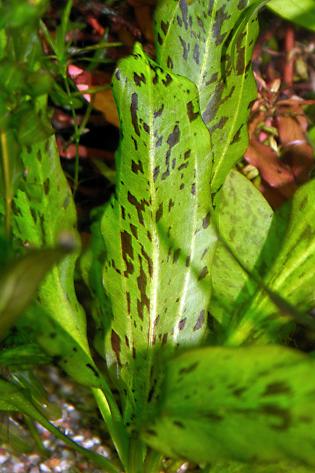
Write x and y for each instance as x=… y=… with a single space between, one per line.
x=5 y=161
x=114 y=423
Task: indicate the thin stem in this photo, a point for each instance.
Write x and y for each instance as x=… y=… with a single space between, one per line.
x=6 y=180
x=35 y=434
x=114 y=423
x=76 y=136
x=136 y=456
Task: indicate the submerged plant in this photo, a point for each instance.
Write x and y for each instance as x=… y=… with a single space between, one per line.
x=193 y=277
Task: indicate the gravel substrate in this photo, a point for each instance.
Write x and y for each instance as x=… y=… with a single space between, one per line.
x=80 y=421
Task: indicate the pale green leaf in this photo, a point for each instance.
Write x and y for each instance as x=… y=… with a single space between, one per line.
x=291 y=275
x=156 y=230
x=44 y=213
x=243 y=220
x=301 y=12
x=253 y=404
x=211 y=43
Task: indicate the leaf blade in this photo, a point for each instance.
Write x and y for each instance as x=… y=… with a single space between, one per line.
x=253 y=405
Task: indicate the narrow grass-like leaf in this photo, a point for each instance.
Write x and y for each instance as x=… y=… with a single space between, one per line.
x=157 y=230
x=13 y=399
x=252 y=404
x=291 y=275
x=211 y=43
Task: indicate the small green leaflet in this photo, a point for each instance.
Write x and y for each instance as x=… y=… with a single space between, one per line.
x=157 y=229
x=291 y=275
x=251 y=404
x=211 y=43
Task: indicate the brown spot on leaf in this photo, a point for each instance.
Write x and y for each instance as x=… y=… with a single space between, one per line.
x=159 y=212
x=200 y=320
x=127 y=251
x=277 y=388
x=189 y=369
x=139 y=78
x=190 y=111
x=136 y=167
x=115 y=342
x=134 y=110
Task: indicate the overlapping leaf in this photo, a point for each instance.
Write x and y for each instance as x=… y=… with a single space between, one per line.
x=156 y=230
x=252 y=404
x=300 y=12
x=291 y=275
x=243 y=219
x=211 y=43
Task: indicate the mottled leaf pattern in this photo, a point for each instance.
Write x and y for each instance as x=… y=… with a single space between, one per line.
x=43 y=213
x=254 y=404
x=157 y=229
x=211 y=43
x=243 y=219
x=291 y=276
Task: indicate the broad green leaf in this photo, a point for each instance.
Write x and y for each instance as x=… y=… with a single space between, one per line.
x=211 y=43
x=44 y=213
x=20 y=281
x=301 y=12
x=253 y=404
x=243 y=219
x=156 y=230
x=291 y=275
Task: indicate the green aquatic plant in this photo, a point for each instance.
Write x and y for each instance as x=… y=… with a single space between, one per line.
x=195 y=282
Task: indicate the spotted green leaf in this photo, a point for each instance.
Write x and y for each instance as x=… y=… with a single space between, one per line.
x=211 y=43
x=291 y=275
x=156 y=229
x=252 y=404
x=243 y=219
x=44 y=213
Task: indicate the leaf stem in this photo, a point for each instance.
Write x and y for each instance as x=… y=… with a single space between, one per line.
x=136 y=455
x=152 y=462
x=114 y=423
x=5 y=161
